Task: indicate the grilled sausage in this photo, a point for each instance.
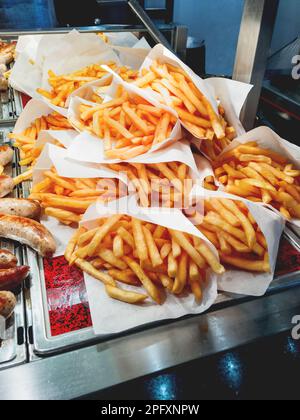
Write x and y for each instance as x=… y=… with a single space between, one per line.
x=3 y=84
x=6 y=185
x=7 y=304
x=6 y=155
x=7 y=259
x=20 y=207
x=12 y=278
x=6 y=58
x=28 y=232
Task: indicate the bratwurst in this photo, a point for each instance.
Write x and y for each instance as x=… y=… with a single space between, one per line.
x=7 y=259
x=7 y=304
x=7 y=185
x=6 y=155
x=28 y=232
x=20 y=207
x=12 y=278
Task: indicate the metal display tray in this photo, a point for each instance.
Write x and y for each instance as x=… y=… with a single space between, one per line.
x=42 y=344
x=45 y=345
x=13 y=347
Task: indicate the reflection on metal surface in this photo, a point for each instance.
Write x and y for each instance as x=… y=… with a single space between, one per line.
x=162 y=388
x=231 y=370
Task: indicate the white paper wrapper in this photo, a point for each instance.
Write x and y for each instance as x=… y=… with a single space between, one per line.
x=268 y=139
x=65 y=137
x=63 y=54
x=130 y=50
x=74 y=113
x=56 y=156
x=31 y=51
x=36 y=109
x=33 y=110
x=231 y=94
x=28 y=44
x=112 y=317
x=132 y=57
x=271 y=225
x=86 y=91
x=87 y=148
x=123 y=39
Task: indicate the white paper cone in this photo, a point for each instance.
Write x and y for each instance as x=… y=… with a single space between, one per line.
x=112 y=317
x=271 y=225
x=231 y=94
x=268 y=139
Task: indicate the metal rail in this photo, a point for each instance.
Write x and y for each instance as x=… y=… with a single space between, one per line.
x=86 y=371
x=178 y=33
x=252 y=52
x=145 y=19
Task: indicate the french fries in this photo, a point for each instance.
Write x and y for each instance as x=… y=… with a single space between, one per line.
x=231 y=228
x=62 y=86
x=26 y=140
x=67 y=199
x=260 y=175
x=129 y=126
x=141 y=254
x=194 y=110
x=159 y=185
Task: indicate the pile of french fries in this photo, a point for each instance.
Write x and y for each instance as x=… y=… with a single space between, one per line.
x=213 y=149
x=159 y=185
x=231 y=228
x=125 y=250
x=128 y=125
x=26 y=140
x=178 y=91
x=62 y=86
x=261 y=176
x=67 y=199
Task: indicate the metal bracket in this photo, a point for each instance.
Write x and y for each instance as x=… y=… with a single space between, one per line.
x=145 y=19
x=254 y=43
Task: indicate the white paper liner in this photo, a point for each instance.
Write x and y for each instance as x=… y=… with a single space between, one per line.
x=87 y=90
x=64 y=53
x=31 y=52
x=33 y=110
x=271 y=225
x=56 y=156
x=37 y=109
x=124 y=39
x=231 y=94
x=65 y=137
x=74 y=114
x=88 y=148
x=130 y=50
x=268 y=139
x=112 y=317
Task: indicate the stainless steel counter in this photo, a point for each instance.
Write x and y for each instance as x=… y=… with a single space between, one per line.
x=91 y=369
